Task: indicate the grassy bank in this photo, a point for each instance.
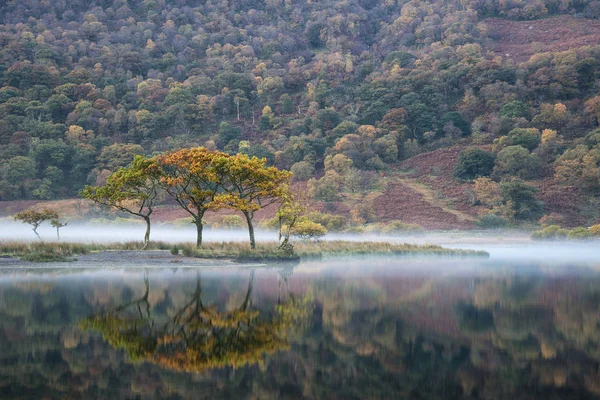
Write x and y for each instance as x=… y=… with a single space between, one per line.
x=266 y=251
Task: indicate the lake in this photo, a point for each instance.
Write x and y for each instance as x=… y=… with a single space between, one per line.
x=524 y=324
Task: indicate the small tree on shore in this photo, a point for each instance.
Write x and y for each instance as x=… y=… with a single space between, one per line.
x=133 y=189
x=290 y=210
x=35 y=218
x=57 y=224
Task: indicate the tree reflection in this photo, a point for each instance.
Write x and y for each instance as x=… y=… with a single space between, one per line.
x=200 y=336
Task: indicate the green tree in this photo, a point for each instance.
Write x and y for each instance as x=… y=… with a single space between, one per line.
x=474 y=163
x=133 y=189
x=522 y=198
x=517 y=161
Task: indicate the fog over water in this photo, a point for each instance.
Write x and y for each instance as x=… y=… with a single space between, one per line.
x=503 y=246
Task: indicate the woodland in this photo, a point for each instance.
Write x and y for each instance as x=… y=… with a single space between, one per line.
x=337 y=92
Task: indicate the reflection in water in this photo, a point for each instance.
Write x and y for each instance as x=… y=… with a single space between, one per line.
x=198 y=336
x=347 y=330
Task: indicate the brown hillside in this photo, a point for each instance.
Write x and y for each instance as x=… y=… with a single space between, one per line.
x=519 y=40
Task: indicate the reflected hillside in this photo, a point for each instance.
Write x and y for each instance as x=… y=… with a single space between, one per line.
x=364 y=329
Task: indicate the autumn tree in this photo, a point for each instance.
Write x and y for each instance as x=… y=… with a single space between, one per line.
x=35 y=218
x=249 y=185
x=191 y=177
x=133 y=189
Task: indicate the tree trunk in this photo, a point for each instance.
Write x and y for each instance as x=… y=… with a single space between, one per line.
x=58 y=233
x=147 y=235
x=248 y=292
x=250 y=229
x=199 y=226
x=36 y=233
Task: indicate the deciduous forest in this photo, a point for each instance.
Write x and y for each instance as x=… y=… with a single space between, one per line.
x=474 y=100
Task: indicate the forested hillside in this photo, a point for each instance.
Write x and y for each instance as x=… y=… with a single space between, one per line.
x=338 y=92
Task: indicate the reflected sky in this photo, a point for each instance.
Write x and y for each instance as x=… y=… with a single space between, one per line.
x=341 y=329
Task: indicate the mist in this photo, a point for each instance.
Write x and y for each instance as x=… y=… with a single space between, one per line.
x=509 y=246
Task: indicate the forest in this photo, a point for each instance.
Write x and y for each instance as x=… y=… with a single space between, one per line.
x=337 y=92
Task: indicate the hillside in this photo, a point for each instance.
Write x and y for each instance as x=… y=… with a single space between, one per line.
x=371 y=104
x=519 y=40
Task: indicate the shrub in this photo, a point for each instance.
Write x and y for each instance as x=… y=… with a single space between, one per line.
x=331 y=222
x=595 y=230
x=551 y=219
x=492 y=221
x=307 y=229
x=552 y=232
x=398 y=227
x=474 y=163
x=174 y=250
x=579 y=233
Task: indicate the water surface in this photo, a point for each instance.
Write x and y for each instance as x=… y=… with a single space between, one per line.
x=504 y=328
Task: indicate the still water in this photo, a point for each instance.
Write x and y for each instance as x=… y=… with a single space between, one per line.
x=345 y=329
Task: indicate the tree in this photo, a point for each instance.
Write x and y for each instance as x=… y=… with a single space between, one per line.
x=474 y=163
x=57 y=224
x=190 y=176
x=523 y=198
x=290 y=210
x=133 y=189
x=35 y=218
x=517 y=161
x=249 y=185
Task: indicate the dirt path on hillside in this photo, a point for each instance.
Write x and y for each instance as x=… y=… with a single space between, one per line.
x=412 y=202
x=429 y=196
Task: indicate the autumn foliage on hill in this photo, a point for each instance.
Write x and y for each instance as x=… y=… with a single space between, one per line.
x=87 y=86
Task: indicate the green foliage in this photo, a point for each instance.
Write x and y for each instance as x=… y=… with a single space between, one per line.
x=491 y=221
x=517 y=161
x=528 y=138
x=580 y=233
x=522 y=198
x=552 y=232
x=474 y=163
x=513 y=109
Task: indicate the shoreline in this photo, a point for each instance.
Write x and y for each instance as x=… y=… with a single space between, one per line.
x=18 y=254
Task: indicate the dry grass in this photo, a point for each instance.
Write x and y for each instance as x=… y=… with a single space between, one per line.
x=53 y=251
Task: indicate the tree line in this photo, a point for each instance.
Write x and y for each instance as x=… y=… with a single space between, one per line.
x=198 y=180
